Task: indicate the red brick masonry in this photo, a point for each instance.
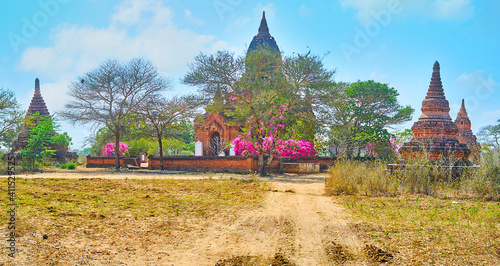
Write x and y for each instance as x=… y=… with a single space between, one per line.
x=205 y=163
x=106 y=161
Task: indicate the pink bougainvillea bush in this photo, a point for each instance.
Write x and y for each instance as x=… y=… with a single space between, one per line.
x=382 y=148
x=294 y=149
x=109 y=149
x=271 y=125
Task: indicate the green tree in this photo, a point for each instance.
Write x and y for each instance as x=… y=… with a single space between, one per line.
x=42 y=137
x=358 y=113
x=249 y=89
x=105 y=96
x=162 y=114
x=490 y=135
x=10 y=118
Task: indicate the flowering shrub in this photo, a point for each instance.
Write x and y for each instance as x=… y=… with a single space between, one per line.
x=271 y=125
x=294 y=149
x=109 y=149
x=383 y=148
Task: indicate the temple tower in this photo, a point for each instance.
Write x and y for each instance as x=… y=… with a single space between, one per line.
x=434 y=132
x=38 y=105
x=263 y=37
x=465 y=134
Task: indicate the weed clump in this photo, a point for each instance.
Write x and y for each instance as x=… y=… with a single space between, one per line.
x=354 y=177
x=337 y=253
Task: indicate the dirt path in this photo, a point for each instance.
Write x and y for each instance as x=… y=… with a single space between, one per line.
x=297 y=221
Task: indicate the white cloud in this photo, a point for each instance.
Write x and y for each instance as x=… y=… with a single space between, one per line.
x=477 y=80
x=192 y=19
x=443 y=10
x=492 y=114
x=377 y=75
x=304 y=10
x=137 y=29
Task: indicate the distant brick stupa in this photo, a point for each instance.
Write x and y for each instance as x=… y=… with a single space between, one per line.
x=434 y=132
x=465 y=134
x=38 y=105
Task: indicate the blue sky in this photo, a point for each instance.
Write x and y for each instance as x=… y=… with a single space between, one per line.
x=389 y=41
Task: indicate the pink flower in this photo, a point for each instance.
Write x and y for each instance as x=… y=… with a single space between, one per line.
x=109 y=149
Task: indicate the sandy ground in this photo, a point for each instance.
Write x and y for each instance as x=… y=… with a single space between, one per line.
x=296 y=220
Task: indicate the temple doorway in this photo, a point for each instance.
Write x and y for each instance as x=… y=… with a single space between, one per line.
x=215 y=143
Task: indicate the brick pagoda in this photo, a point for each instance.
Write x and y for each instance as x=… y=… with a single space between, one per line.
x=38 y=105
x=435 y=132
x=465 y=134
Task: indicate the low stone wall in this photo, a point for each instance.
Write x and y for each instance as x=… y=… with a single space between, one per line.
x=107 y=161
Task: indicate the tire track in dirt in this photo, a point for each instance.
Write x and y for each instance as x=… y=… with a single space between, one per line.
x=316 y=219
x=297 y=220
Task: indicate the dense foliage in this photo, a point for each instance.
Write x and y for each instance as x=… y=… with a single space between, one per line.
x=42 y=137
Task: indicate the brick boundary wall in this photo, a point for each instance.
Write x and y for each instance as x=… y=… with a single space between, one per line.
x=107 y=161
x=228 y=163
x=243 y=164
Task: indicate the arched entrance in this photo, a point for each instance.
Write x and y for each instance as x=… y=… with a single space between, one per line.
x=215 y=142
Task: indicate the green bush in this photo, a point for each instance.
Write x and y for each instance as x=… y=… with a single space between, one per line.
x=69 y=166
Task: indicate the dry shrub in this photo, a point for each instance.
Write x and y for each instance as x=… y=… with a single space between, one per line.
x=354 y=177
x=485 y=181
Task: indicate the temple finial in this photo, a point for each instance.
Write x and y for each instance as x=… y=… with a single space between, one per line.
x=436 y=64
x=436 y=86
x=263 y=29
x=462 y=108
x=37 y=84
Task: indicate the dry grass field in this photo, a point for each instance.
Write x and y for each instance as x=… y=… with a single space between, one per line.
x=423 y=230
x=118 y=221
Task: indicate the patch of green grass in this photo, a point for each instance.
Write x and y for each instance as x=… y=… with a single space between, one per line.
x=427 y=230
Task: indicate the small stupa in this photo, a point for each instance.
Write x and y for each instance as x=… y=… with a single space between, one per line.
x=38 y=105
x=465 y=134
x=435 y=134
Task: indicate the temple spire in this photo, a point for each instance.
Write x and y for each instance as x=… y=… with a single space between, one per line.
x=436 y=86
x=37 y=103
x=263 y=28
x=462 y=108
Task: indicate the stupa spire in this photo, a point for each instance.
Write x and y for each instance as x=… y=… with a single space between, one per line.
x=436 y=86
x=435 y=105
x=37 y=103
x=462 y=110
x=263 y=37
x=263 y=28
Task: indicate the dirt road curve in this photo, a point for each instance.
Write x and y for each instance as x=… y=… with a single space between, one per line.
x=297 y=220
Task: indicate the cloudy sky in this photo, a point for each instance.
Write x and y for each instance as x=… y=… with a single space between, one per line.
x=389 y=41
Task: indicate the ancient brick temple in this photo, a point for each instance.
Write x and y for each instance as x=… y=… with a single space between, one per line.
x=214 y=133
x=465 y=134
x=214 y=130
x=38 y=105
x=435 y=133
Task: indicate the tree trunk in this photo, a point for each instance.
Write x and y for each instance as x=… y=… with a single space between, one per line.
x=160 y=145
x=261 y=166
x=117 y=149
x=262 y=163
